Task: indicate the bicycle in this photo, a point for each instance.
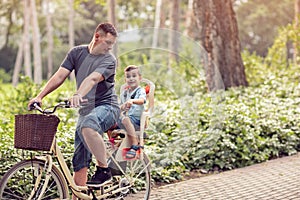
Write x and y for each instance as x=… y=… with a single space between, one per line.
x=40 y=178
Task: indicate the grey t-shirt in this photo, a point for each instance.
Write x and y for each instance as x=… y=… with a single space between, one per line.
x=84 y=63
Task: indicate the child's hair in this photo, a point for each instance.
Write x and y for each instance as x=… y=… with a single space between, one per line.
x=132 y=67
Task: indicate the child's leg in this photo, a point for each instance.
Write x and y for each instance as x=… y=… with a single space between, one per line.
x=131 y=137
x=130 y=131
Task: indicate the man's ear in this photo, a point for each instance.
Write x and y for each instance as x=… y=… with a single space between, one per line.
x=97 y=36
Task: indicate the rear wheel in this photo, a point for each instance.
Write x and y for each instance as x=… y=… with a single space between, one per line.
x=18 y=182
x=137 y=174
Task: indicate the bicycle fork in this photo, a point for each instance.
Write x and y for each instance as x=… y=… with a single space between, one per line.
x=39 y=172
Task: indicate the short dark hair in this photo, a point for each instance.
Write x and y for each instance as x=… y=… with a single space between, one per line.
x=107 y=28
x=132 y=67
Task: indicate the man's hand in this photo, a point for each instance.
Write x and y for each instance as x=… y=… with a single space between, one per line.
x=76 y=100
x=32 y=101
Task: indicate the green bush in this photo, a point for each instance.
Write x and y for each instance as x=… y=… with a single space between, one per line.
x=190 y=129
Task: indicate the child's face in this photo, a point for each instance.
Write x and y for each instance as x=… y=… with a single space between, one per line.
x=132 y=78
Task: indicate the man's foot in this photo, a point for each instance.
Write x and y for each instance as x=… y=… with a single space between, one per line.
x=100 y=178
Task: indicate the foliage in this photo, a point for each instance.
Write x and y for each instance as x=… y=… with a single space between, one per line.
x=190 y=130
x=259 y=20
x=278 y=54
x=246 y=126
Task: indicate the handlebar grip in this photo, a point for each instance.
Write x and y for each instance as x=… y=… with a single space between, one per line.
x=34 y=105
x=67 y=103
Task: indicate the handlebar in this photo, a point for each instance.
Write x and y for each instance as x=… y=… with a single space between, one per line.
x=36 y=106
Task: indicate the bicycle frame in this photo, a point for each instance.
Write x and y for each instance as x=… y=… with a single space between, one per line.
x=65 y=172
x=77 y=190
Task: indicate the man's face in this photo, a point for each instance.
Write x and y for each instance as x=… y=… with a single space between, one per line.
x=105 y=43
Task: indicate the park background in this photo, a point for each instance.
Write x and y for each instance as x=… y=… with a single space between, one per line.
x=226 y=75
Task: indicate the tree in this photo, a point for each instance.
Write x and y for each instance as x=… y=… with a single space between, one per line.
x=27 y=50
x=50 y=39
x=259 y=22
x=112 y=18
x=156 y=23
x=36 y=44
x=24 y=48
x=173 y=37
x=219 y=37
x=296 y=26
x=71 y=31
x=18 y=64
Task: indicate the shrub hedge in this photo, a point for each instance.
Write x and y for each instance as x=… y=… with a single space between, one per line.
x=210 y=131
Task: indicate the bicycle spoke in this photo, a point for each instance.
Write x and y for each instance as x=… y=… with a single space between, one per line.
x=11 y=195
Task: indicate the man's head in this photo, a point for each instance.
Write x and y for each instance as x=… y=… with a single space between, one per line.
x=104 y=38
x=105 y=28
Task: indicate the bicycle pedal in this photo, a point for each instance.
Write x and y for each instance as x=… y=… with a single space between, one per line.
x=94 y=188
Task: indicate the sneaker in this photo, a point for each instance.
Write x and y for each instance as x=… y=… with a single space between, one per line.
x=100 y=178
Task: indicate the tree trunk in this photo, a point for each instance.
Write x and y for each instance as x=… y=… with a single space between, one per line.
x=36 y=45
x=174 y=37
x=71 y=24
x=296 y=43
x=112 y=19
x=219 y=36
x=27 y=50
x=18 y=64
x=163 y=15
x=156 y=23
x=188 y=20
x=23 y=49
x=71 y=31
x=50 y=40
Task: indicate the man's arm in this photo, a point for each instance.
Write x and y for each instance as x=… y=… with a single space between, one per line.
x=54 y=82
x=86 y=85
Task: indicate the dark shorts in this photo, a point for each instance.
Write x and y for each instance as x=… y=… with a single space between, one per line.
x=100 y=119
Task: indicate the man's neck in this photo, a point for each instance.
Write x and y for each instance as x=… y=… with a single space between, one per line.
x=92 y=47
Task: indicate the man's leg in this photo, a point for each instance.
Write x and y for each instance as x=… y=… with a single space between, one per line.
x=96 y=145
x=80 y=178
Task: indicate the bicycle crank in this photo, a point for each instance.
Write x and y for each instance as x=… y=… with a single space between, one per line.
x=124 y=184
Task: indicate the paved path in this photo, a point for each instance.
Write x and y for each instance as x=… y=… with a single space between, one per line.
x=277 y=179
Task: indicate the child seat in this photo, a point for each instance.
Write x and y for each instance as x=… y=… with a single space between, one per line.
x=145 y=117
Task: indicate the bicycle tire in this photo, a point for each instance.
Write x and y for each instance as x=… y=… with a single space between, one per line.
x=140 y=171
x=18 y=182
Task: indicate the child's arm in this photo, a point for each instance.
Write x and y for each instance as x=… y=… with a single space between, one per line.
x=127 y=105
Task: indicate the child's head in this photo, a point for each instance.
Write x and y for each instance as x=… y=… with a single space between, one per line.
x=132 y=76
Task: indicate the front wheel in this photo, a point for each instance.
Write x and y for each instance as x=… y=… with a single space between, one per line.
x=18 y=183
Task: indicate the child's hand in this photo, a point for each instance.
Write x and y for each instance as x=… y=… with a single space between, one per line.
x=128 y=104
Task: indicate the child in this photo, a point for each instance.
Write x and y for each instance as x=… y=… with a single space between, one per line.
x=133 y=98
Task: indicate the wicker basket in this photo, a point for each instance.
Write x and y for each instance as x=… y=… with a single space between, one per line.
x=35 y=131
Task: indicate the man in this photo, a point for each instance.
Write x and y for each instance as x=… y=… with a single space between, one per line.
x=95 y=70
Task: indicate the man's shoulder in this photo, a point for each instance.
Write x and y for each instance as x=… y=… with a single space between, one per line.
x=79 y=48
x=109 y=57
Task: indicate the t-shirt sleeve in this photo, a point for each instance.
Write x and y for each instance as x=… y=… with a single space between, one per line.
x=69 y=61
x=142 y=94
